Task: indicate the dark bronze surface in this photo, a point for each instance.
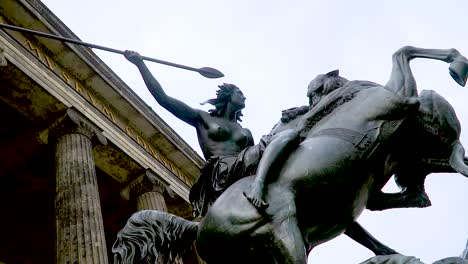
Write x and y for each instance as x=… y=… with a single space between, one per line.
x=344 y=150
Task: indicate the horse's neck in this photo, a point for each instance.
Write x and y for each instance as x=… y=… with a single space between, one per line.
x=327 y=105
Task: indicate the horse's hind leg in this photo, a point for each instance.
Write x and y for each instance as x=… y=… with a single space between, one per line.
x=356 y=232
x=401 y=79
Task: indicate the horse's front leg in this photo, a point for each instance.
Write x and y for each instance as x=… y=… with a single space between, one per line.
x=286 y=239
x=290 y=248
x=402 y=80
x=408 y=198
x=413 y=194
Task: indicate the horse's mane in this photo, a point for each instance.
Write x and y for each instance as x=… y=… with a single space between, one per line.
x=329 y=103
x=149 y=235
x=291 y=113
x=436 y=116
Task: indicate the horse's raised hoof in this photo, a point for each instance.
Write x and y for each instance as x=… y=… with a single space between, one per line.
x=459 y=70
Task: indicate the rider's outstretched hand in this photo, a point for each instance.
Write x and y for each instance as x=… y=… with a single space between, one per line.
x=133 y=56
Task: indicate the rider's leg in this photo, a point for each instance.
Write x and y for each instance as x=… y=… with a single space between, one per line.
x=272 y=159
x=401 y=79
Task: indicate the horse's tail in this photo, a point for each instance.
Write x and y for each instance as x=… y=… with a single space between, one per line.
x=152 y=235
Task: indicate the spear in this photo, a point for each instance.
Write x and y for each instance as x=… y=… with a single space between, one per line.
x=204 y=71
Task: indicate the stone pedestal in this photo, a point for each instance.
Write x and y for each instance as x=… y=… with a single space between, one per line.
x=80 y=230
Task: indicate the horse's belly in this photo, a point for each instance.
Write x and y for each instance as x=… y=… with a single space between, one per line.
x=329 y=179
x=230 y=223
x=233 y=210
x=322 y=161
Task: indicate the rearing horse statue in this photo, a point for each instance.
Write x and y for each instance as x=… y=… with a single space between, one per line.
x=352 y=142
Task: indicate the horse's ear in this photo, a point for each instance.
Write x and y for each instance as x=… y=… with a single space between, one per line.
x=334 y=73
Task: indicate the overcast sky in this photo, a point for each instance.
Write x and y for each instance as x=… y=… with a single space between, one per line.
x=271 y=50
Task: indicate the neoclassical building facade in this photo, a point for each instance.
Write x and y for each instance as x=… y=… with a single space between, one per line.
x=79 y=150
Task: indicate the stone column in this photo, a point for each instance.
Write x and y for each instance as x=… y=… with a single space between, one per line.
x=3 y=60
x=147 y=190
x=80 y=230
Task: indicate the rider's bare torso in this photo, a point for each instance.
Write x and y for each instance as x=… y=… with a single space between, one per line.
x=219 y=137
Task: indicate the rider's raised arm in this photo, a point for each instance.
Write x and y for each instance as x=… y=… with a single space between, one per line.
x=176 y=107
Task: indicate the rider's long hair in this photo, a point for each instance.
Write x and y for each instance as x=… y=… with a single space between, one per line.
x=153 y=237
x=223 y=96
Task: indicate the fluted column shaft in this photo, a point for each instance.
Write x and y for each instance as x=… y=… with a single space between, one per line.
x=148 y=191
x=80 y=230
x=151 y=201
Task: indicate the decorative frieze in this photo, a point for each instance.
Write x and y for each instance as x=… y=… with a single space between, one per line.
x=103 y=107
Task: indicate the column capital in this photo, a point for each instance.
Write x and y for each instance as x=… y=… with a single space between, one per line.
x=148 y=182
x=72 y=123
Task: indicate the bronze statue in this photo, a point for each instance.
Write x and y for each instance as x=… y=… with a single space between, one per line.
x=223 y=145
x=228 y=148
x=351 y=143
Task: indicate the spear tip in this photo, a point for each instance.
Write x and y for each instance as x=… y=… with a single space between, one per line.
x=210 y=73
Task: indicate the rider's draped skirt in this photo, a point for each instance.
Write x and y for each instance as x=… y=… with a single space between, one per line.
x=221 y=172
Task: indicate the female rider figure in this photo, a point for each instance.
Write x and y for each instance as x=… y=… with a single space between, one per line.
x=228 y=148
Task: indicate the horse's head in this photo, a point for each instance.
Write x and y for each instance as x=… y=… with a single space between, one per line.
x=322 y=85
x=440 y=135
